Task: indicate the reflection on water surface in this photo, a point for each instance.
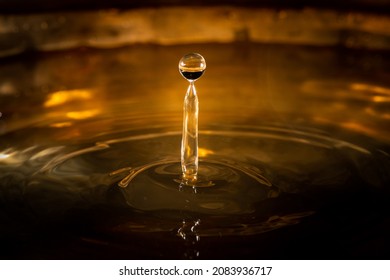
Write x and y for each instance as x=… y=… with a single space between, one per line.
x=294 y=140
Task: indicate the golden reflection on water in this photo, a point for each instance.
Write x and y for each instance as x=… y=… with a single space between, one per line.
x=203 y=152
x=11 y=157
x=4 y=156
x=361 y=128
x=246 y=84
x=61 y=124
x=66 y=96
x=80 y=115
x=372 y=89
x=372 y=112
x=65 y=108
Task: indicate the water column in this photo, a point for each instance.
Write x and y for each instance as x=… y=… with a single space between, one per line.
x=192 y=67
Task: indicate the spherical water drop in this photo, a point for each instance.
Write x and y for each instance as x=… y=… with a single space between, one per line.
x=192 y=66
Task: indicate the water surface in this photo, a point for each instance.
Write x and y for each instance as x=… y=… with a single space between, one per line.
x=293 y=142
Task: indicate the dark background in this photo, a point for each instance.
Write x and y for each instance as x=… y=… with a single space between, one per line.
x=33 y=6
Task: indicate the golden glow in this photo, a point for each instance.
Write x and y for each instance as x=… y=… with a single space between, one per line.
x=383 y=94
x=80 y=115
x=358 y=127
x=10 y=157
x=4 y=156
x=376 y=89
x=202 y=152
x=61 y=124
x=64 y=96
x=380 y=98
x=370 y=111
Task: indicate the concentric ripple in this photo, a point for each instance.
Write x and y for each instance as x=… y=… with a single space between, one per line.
x=240 y=170
x=252 y=180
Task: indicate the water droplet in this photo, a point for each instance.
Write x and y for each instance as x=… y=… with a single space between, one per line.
x=192 y=66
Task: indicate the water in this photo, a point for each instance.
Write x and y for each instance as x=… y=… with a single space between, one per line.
x=296 y=163
x=191 y=66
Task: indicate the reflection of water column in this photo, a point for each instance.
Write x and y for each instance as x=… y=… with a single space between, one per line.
x=189 y=144
x=189 y=233
x=191 y=66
